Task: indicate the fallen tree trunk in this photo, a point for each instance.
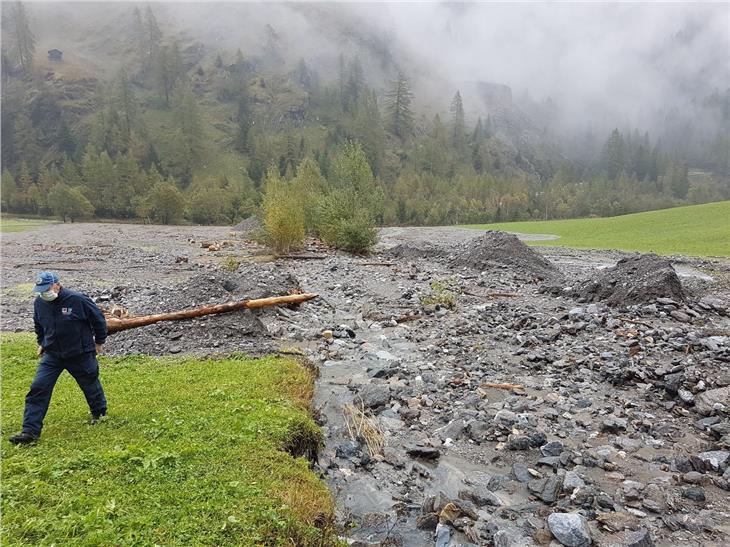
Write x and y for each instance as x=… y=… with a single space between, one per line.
x=115 y=324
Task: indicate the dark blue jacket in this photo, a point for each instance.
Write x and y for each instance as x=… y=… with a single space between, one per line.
x=69 y=325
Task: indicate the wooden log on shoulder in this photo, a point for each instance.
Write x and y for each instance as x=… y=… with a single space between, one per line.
x=114 y=324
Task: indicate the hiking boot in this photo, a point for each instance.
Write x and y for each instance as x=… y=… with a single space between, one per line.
x=24 y=437
x=97 y=417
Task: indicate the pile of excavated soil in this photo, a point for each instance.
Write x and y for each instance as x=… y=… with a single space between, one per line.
x=633 y=280
x=499 y=249
x=491 y=250
x=410 y=251
x=236 y=331
x=248 y=226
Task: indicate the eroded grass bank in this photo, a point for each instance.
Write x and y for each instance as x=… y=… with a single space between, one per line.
x=194 y=452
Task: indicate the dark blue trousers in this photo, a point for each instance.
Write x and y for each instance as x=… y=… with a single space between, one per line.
x=85 y=370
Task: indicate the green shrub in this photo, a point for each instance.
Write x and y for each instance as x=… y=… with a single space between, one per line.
x=356 y=235
x=283 y=214
x=230 y=264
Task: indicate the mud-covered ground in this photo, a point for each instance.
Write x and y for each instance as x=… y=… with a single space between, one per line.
x=620 y=432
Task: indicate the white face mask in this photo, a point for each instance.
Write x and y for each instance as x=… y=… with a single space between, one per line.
x=49 y=296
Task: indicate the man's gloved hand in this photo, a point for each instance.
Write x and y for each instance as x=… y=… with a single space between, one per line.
x=99 y=349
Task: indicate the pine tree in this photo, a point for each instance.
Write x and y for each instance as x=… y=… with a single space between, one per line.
x=23 y=40
x=678 y=183
x=304 y=76
x=354 y=86
x=25 y=137
x=64 y=139
x=153 y=34
x=244 y=123
x=125 y=102
x=168 y=69
x=139 y=35
x=398 y=103
x=614 y=155
x=458 y=122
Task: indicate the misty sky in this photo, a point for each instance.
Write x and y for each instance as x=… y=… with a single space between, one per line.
x=585 y=56
x=612 y=61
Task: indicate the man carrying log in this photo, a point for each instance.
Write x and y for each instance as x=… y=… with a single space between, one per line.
x=70 y=330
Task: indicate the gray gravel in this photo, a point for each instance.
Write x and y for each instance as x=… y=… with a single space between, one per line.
x=623 y=419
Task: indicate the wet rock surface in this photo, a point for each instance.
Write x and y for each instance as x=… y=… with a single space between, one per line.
x=505 y=420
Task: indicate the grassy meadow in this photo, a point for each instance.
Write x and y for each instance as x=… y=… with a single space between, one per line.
x=193 y=452
x=18 y=224
x=697 y=230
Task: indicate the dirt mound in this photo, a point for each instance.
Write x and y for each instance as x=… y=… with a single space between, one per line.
x=634 y=280
x=237 y=331
x=410 y=251
x=248 y=226
x=498 y=249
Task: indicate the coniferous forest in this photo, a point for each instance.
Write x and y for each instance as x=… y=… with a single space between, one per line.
x=161 y=126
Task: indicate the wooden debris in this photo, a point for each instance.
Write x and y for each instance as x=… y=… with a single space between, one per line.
x=302 y=257
x=115 y=324
x=503 y=295
x=215 y=245
x=375 y=263
x=503 y=386
x=115 y=311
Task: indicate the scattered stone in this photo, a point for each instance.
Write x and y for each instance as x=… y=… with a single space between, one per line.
x=613 y=424
x=713 y=400
x=374 y=395
x=553 y=448
x=505 y=418
x=694 y=493
x=572 y=481
x=521 y=473
x=481 y=497
x=443 y=535
x=425 y=452
x=518 y=442
x=636 y=538
x=570 y=529
x=429 y=521
x=715 y=460
x=547 y=489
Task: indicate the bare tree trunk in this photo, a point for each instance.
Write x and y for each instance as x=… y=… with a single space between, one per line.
x=114 y=324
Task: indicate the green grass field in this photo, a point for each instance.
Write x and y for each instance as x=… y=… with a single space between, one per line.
x=194 y=452
x=697 y=230
x=17 y=224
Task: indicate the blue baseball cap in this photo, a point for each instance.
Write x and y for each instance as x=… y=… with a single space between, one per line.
x=44 y=281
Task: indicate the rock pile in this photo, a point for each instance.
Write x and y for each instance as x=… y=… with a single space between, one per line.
x=248 y=226
x=499 y=249
x=634 y=280
x=489 y=252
